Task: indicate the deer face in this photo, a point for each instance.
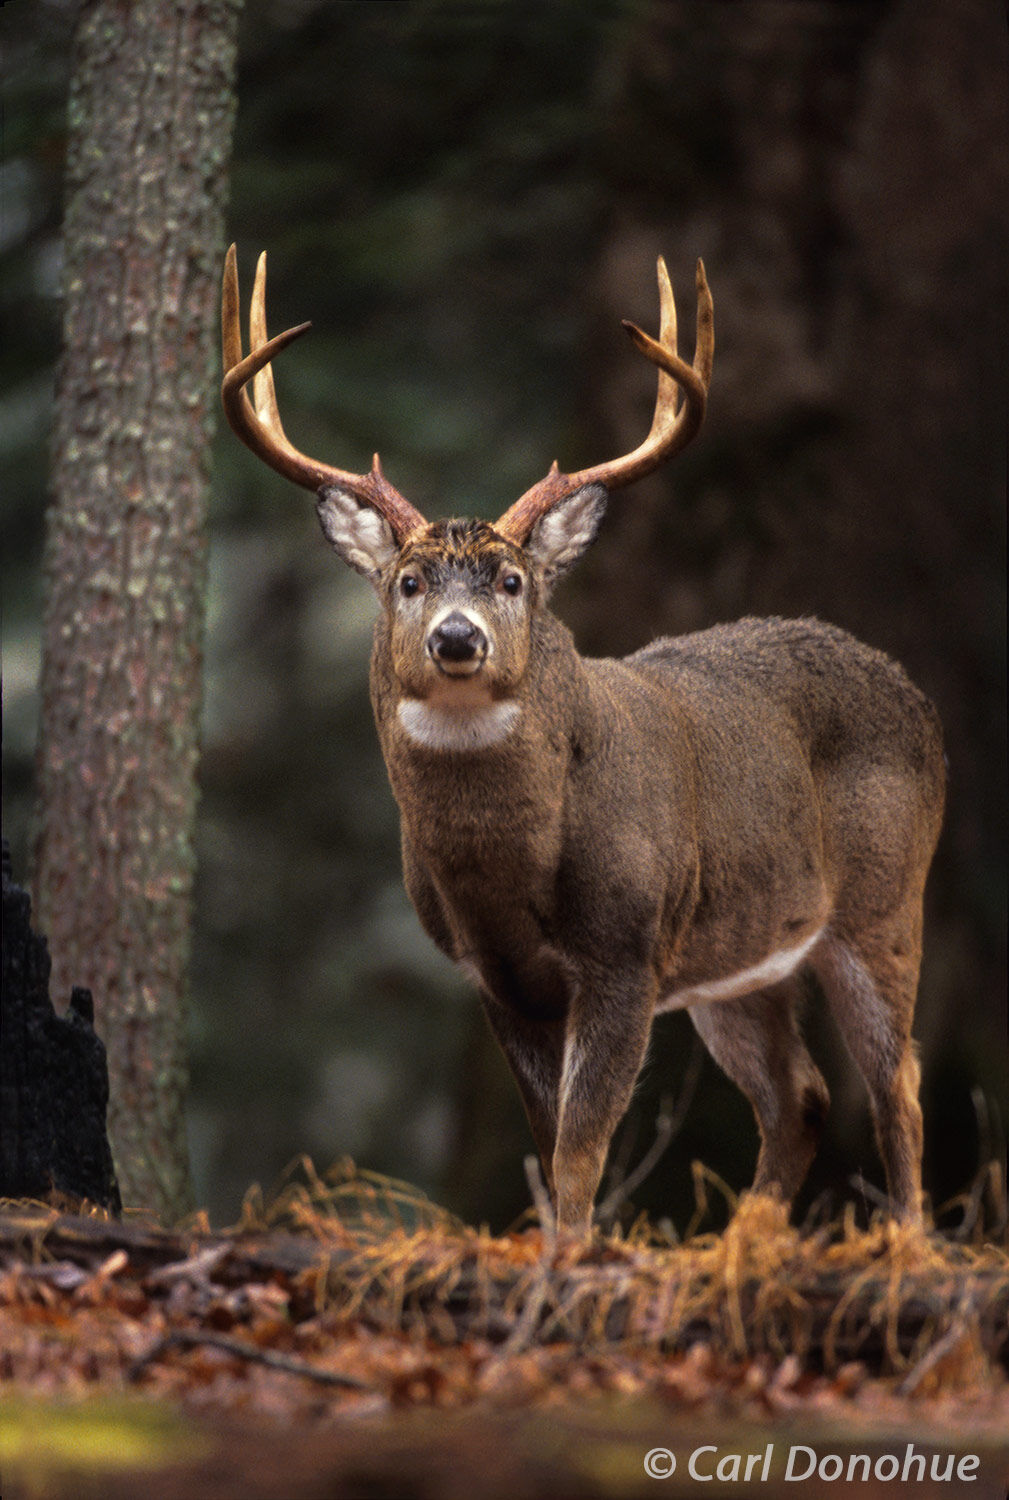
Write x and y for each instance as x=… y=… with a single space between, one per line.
x=459 y=600
x=459 y=597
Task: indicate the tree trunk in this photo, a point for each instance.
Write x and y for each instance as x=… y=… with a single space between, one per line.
x=151 y=111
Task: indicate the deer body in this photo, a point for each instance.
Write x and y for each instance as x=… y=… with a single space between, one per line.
x=596 y=841
x=622 y=851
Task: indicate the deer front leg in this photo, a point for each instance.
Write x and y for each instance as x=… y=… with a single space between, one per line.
x=606 y=1037
x=534 y=1049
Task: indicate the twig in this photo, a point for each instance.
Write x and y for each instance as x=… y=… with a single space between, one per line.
x=869 y=1193
x=991 y=1155
x=197 y=1268
x=541 y=1198
x=622 y=1183
x=619 y=1158
x=181 y=1338
x=522 y=1334
x=972 y=1207
x=668 y=1124
x=933 y=1356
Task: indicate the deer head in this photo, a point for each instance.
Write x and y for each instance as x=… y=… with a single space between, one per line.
x=460 y=596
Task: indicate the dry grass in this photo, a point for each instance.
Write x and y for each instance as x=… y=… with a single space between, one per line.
x=906 y=1303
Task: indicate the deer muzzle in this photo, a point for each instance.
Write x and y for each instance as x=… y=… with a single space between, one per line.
x=457 y=645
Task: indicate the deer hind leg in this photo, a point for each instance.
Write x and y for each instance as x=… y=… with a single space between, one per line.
x=756 y=1042
x=870 y=981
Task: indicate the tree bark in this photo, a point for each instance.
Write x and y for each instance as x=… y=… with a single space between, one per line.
x=150 y=123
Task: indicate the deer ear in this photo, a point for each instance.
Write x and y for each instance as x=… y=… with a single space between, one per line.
x=561 y=536
x=362 y=537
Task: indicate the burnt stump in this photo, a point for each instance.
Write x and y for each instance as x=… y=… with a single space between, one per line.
x=54 y=1081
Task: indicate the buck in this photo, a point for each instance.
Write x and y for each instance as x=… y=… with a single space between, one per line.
x=598 y=841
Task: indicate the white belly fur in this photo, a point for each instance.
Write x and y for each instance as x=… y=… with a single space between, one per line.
x=770 y=970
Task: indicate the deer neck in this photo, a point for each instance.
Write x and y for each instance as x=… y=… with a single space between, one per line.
x=477 y=768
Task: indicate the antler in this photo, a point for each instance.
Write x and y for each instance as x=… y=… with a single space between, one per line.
x=671 y=429
x=257 y=422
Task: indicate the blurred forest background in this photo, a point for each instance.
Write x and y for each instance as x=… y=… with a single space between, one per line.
x=465 y=196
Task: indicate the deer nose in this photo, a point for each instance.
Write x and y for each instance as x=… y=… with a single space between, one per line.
x=457 y=639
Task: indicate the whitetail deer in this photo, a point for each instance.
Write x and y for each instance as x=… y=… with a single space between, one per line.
x=595 y=842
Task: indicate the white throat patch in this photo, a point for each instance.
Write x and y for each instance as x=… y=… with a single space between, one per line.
x=463 y=728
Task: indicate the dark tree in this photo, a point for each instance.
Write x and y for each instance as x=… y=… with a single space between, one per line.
x=150 y=122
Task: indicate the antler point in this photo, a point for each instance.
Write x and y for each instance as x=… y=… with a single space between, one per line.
x=637 y=335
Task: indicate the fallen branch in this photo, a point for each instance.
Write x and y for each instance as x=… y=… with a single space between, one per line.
x=183 y=1338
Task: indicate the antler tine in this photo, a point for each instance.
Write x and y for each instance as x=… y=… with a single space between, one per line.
x=669 y=392
x=258 y=423
x=231 y=328
x=673 y=424
x=264 y=394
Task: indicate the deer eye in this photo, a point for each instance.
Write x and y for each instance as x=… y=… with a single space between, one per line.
x=512 y=583
x=409 y=585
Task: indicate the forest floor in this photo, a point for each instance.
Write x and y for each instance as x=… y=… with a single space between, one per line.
x=354 y=1341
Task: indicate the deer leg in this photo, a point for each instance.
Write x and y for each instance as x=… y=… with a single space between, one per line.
x=534 y=1050
x=604 y=1046
x=756 y=1042
x=870 y=981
